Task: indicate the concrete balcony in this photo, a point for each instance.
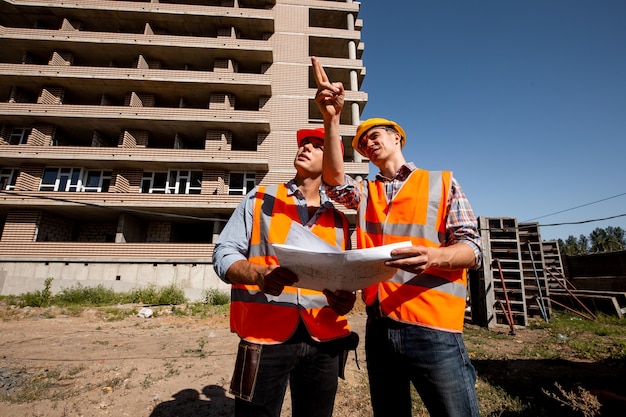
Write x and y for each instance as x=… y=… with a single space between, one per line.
x=77 y=252
x=127 y=47
x=130 y=16
x=119 y=81
x=129 y=158
x=111 y=120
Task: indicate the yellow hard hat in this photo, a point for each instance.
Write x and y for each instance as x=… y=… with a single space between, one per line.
x=372 y=123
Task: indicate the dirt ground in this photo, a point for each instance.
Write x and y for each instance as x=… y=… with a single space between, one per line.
x=165 y=365
x=170 y=365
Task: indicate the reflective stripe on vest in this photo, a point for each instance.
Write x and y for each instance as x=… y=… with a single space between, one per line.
x=263 y=318
x=435 y=298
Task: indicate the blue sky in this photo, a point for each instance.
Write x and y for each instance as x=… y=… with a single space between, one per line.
x=524 y=100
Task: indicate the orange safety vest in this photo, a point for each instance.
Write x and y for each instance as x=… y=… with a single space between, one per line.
x=262 y=318
x=436 y=297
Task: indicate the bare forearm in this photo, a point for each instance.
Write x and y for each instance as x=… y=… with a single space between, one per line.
x=246 y=273
x=333 y=170
x=458 y=256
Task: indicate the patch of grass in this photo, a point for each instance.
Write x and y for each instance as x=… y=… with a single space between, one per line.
x=39 y=298
x=117 y=381
x=204 y=311
x=85 y=296
x=117 y=314
x=215 y=297
x=597 y=340
x=79 y=295
x=153 y=295
x=50 y=384
x=495 y=401
x=480 y=340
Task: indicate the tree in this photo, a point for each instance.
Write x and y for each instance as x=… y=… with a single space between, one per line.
x=600 y=240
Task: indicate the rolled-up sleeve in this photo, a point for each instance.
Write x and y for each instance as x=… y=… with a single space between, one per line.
x=234 y=241
x=462 y=225
x=347 y=194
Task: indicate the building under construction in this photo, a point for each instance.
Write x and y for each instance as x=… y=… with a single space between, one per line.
x=130 y=130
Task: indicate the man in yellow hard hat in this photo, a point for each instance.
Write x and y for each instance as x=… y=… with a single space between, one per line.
x=415 y=319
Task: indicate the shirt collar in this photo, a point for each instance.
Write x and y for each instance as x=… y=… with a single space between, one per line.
x=292 y=189
x=401 y=175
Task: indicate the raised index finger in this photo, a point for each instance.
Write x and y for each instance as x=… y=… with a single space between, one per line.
x=320 y=75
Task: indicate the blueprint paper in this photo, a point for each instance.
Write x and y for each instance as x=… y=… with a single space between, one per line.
x=332 y=269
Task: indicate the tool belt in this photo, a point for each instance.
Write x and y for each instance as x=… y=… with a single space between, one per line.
x=249 y=357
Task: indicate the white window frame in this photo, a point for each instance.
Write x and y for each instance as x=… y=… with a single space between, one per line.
x=72 y=179
x=171 y=182
x=248 y=180
x=103 y=177
x=151 y=181
x=65 y=179
x=8 y=178
x=19 y=135
x=183 y=182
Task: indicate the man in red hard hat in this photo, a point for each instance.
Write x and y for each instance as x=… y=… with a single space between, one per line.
x=289 y=336
x=415 y=319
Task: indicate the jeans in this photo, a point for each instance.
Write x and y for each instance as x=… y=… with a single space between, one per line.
x=434 y=361
x=311 y=371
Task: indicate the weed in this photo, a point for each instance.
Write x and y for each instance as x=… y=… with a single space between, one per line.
x=215 y=297
x=495 y=401
x=181 y=312
x=78 y=295
x=170 y=294
x=117 y=314
x=171 y=370
x=147 y=381
x=39 y=298
x=48 y=384
x=202 y=310
x=201 y=343
x=117 y=381
x=579 y=400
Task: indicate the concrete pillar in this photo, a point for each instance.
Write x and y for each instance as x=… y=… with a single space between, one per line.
x=356 y=114
x=350 y=21
x=351 y=50
x=354 y=81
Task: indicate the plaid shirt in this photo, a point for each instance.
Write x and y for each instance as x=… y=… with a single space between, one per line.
x=461 y=224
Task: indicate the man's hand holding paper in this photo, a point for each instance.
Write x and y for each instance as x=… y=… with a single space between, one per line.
x=336 y=270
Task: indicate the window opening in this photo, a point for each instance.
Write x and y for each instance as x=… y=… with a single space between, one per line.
x=19 y=136
x=172 y=182
x=240 y=183
x=8 y=178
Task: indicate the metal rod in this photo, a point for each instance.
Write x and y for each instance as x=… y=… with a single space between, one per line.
x=573 y=296
x=506 y=299
x=563 y=278
x=572 y=310
x=506 y=316
x=542 y=305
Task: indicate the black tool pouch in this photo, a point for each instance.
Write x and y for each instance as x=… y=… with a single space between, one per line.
x=246 y=370
x=347 y=344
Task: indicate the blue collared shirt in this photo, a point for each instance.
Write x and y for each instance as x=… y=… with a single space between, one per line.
x=234 y=241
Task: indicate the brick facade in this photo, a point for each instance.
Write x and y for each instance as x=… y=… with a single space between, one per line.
x=142 y=96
